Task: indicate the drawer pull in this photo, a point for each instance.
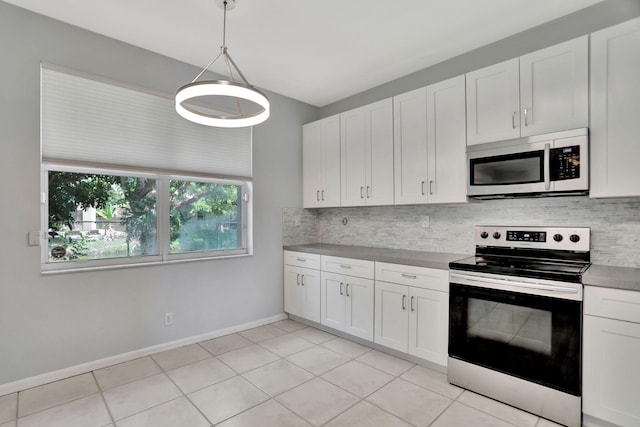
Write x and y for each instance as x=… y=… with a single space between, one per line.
x=301 y=259
x=409 y=276
x=347 y=266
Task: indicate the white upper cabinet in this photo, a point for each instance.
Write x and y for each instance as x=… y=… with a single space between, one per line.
x=367 y=155
x=544 y=91
x=321 y=163
x=410 y=147
x=493 y=103
x=615 y=103
x=429 y=144
x=554 y=88
x=446 y=142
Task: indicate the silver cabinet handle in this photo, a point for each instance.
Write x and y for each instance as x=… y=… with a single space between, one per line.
x=513 y=119
x=347 y=289
x=298 y=279
x=412 y=309
x=318 y=196
x=526 y=123
x=361 y=189
x=347 y=266
x=409 y=276
x=404 y=302
x=322 y=195
x=422 y=184
x=302 y=280
x=341 y=285
x=368 y=193
x=430 y=187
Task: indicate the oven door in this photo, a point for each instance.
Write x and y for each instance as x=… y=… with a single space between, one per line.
x=524 y=331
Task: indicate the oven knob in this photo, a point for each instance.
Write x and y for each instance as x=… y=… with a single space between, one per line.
x=496 y=235
x=484 y=234
x=574 y=238
x=557 y=237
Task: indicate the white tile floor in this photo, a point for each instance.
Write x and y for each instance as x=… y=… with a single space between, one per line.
x=278 y=375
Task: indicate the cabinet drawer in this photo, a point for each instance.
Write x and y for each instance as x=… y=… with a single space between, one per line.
x=348 y=266
x=617 y=304
x=302 y=259
x=421 y=277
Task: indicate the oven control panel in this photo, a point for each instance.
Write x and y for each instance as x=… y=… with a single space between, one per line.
x=560 y=238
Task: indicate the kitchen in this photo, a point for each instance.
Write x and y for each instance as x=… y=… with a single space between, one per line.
x=69 y=309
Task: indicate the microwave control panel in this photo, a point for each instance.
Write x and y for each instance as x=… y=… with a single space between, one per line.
x=565 y=163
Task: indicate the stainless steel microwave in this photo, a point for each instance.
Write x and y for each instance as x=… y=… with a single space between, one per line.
x=542 y=165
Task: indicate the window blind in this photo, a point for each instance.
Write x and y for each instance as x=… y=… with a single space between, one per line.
x=93 y=121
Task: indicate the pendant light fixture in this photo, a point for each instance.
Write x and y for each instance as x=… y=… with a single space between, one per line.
x=241 y=91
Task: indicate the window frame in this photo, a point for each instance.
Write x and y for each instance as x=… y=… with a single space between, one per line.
x=162 y=220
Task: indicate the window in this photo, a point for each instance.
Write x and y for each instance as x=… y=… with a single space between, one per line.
x=127 y=181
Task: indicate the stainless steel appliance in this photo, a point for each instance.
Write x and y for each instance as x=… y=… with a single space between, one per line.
x=515 y=318
x=543 y=165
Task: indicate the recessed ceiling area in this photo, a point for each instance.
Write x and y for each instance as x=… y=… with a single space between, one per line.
x=315 y=51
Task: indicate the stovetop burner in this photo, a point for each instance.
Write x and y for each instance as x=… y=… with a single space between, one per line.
x=554 y=253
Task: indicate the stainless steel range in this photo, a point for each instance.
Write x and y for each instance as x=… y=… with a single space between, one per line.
x=515 y=318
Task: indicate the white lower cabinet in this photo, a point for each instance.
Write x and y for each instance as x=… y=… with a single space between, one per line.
x=346 y=295
x=347 y=304
x=302 y=285
x=611 y=347
x=412 y=319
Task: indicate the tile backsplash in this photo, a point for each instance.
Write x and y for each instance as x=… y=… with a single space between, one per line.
x=615 y=224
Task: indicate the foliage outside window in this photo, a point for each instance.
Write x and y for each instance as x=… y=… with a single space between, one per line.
x=120 y=218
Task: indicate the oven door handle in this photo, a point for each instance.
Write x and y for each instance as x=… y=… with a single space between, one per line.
x=469 y=280
x=547 y=166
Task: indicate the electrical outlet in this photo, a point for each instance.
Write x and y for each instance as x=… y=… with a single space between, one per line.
x=424 y=223
x=168 y=319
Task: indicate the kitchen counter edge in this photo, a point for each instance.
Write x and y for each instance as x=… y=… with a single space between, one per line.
x=439 y=260
x=627 y=278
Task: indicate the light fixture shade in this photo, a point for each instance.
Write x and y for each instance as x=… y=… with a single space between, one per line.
x=221 y=88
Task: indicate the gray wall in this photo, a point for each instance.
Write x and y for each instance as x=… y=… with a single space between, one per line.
x=585 y=21
x=56 y=321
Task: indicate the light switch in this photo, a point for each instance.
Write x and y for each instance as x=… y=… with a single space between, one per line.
x=34 y=238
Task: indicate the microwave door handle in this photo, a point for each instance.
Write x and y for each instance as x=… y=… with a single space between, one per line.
x=546 y=161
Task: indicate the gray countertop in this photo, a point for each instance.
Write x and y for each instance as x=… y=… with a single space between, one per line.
x=396 y=256
x=612 y=277
x=597 y=275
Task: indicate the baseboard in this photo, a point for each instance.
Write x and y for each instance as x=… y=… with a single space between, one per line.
x=71 y=371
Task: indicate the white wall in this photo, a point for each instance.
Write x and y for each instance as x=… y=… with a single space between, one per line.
x=53 y=322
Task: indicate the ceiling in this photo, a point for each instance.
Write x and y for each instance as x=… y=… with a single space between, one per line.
x=316 y=51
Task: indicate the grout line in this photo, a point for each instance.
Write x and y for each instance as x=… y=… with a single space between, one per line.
x=104 y=401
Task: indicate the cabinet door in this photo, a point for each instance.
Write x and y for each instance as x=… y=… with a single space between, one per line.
x=379 y=153
x=493 y=103
x=311 y=165
x=332 y=300
x=353 y=148
x=321 y=163
x=292 y=290
x=310 y=294
x=446 y=141
x=330 y=190
x=391 y=315
x=554 y=88
x=359 y=313
x=610 y=372
x=615 y=102
x=410 y=147
x=429 y=324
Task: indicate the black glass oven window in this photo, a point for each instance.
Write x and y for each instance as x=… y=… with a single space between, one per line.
x=531 y=337
x=521 y=168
